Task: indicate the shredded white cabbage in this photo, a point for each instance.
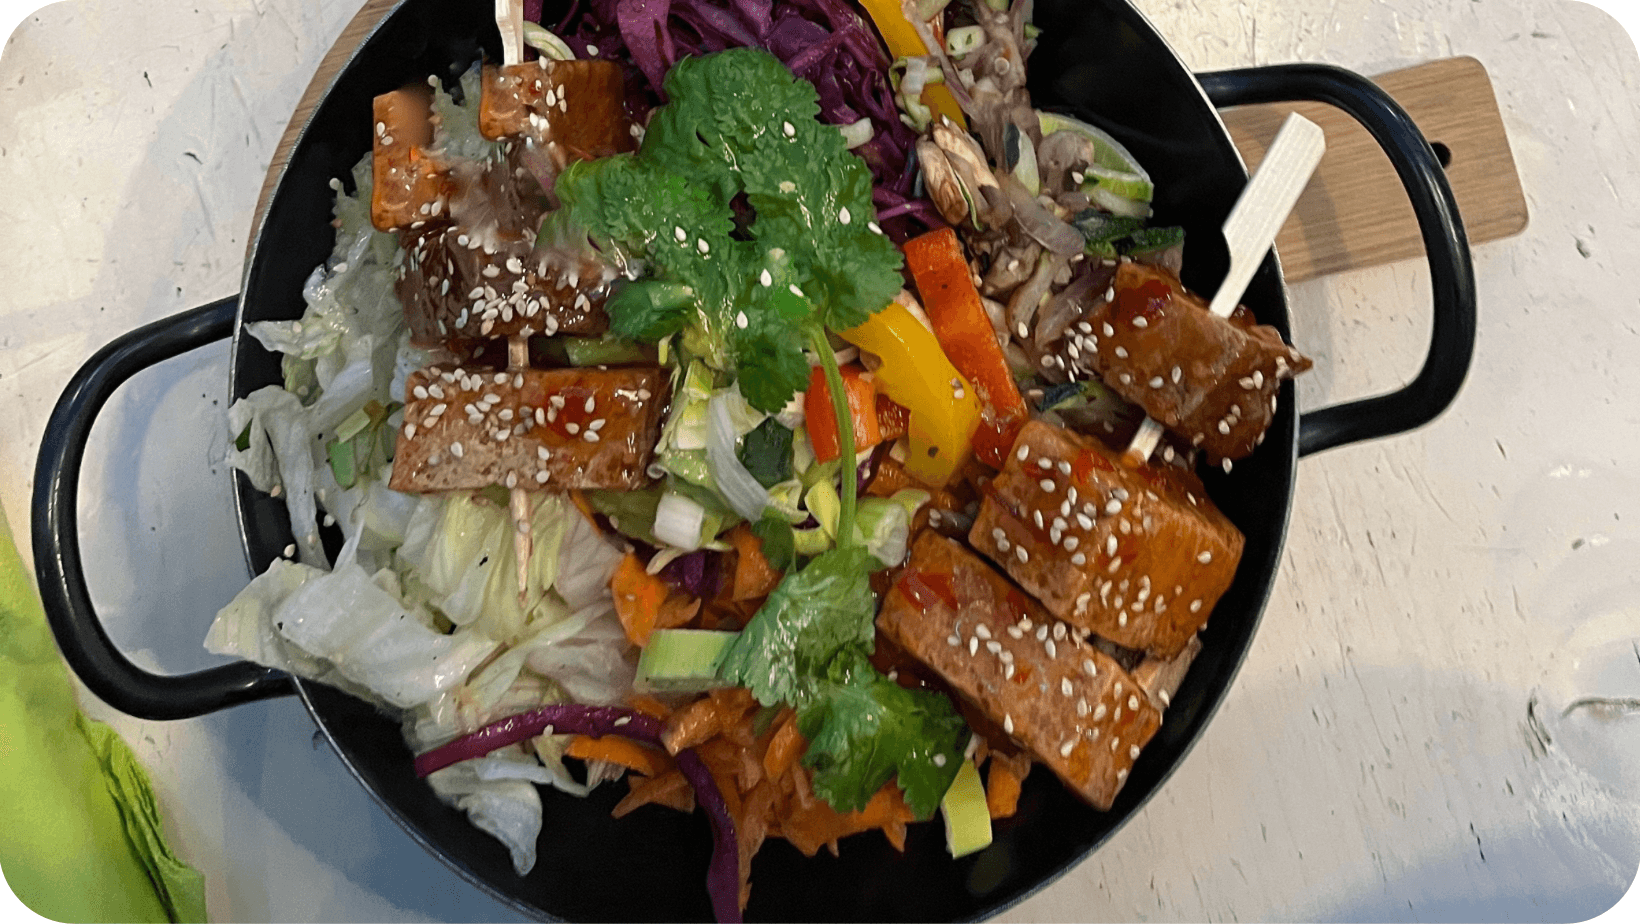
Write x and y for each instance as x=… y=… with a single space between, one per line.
x=421 y=612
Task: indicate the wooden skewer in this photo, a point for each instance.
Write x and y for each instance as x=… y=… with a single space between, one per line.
x=518 y=359
x=509 y=19
x=1251 y=229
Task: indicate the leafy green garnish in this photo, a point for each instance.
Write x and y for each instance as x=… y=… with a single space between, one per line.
x=779 y=541
x=809 y=646
x=767 y=453
x=739 y=122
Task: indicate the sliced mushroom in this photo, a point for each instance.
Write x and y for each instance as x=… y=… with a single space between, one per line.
x=945 y=188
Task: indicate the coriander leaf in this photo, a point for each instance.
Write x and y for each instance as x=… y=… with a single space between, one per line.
x=650 y=309
x=779 y=545
x=864 y=732
x=772 y=369
x=767 y=453
x=813 y=616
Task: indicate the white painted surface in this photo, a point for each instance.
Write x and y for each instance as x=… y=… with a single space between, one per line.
x=1374 y=759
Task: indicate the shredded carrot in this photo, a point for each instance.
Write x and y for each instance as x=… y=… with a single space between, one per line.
x=670 y=789
x=1002 y=786
x=650 y=706
x=754 y=576
x=629 y=754
x=638 y=598
x=785 y=746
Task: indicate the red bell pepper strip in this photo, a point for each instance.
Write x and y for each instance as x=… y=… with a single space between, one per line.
x=965 y=333
x=821 y=419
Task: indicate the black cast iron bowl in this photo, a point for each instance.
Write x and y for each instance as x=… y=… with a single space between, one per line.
x=1099 y=60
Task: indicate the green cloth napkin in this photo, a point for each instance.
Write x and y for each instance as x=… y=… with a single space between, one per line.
x=80 y=836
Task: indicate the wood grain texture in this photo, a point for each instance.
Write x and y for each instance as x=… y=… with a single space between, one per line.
x=1354 y=213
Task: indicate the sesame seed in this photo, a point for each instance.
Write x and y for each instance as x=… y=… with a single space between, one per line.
x=983 y=631
x=1016 y=632
x=457 y=450
x=939 y=760
x=1052 y=648
x=1133 y=702
x=1122 y=617
x=1021 y=554
x=789 y=129
x=993 y=646
x=591 y=436
x=572 y=428
x=1205 y=558
x=973 y=646
x=1007 y=669
x=1065 y=749
x=1024 y=451
x=290 y=550
x=1121 y=353
x=542 y=476
x=1099 y=712
x=1226 y=465
x=1036 y=517
x=1003 y=545
x=1195 y=605
x=793 y=289
x=1065 y=686
x=843 y=216
x=1079 y=559
x=1157 y=382
x=1176 y=374
x=1047 y=485
x=702 y=246
x=1133 y=752
x=1008 y=723
x=1140 y=322
x=1023 y=333
x=953 y=641
x=1113 y=567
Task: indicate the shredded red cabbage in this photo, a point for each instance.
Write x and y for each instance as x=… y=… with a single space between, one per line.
x=699 y=573
x=826 y=42
x=722 y=874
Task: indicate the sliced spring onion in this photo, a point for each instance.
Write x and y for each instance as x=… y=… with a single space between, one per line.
x=856 y=133
x=734 y=482
x=678 y=521
x=549 y=45
x=963 y=39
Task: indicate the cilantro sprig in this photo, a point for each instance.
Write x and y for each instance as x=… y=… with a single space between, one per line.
x=739 y=123
x=749 y=302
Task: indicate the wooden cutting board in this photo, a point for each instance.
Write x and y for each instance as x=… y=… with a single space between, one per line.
x=1354 y=213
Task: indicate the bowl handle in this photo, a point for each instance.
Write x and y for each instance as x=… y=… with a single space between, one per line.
x=57 y=565
x=1452 y=337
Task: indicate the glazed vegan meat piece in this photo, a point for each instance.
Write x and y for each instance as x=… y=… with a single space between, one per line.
x=458 y=286
x=408 y=187
x=555 y=429
x=1067 y=702
x=576 y=110
x=1212 y=380
x=1139 y=556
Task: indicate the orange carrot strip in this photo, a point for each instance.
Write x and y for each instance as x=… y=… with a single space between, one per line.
x=670 y=789
x=629 y=754
x=1002 y=786
x=638 y=598
x=964 y=330
x=785 y=747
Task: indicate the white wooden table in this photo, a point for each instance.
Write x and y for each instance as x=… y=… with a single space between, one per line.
x=1374 y=759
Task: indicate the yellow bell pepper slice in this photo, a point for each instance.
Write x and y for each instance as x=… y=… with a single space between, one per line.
x=916 y=373
x=904 y=42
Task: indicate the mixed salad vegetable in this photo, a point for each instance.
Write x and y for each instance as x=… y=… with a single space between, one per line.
x=730 y=399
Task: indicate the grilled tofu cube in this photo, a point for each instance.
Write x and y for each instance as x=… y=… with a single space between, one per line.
x=1212 y=380
x=1065 y=701
x=408 y=187
x=555 y=429
x=1135 y=555
x=576 y=110
x=457 y=289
